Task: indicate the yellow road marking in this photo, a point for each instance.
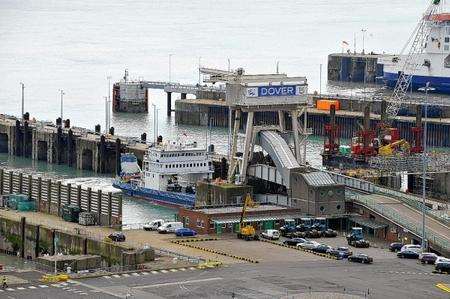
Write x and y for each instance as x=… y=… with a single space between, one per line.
x=443 y=287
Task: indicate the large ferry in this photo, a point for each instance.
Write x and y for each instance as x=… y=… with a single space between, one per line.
x=169 y=175
x=433 y=62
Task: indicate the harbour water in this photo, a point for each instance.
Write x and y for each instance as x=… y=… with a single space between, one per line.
x=44 y=46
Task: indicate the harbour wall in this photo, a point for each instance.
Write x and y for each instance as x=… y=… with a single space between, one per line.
x=31 y=241
x=61 y=143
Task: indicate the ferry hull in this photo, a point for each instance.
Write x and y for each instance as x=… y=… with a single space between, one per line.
x=440 y=84
x=166 y=198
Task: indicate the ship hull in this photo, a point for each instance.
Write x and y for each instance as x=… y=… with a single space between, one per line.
x=165 y=198
x=440 y=84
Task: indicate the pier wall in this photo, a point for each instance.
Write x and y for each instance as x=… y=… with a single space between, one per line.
x=31 y=241
x=354 y=67
x=72 y=146
x=50 y=196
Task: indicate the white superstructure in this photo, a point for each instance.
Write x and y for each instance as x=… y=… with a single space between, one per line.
x=171 y=165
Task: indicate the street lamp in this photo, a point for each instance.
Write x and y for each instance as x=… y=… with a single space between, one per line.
x=199 y=64
x=278 y=67
x=170 y=67
x=320 y=80
x=108 y=115
x=62 y=102
x=424 y=159
x=229 y=64
x=363 y=34
x=23 y=98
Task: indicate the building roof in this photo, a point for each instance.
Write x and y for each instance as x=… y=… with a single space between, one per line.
x=318 y=178
x=250 y=218
x=238 y=209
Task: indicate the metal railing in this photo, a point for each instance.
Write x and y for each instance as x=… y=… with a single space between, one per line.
x=395 y=217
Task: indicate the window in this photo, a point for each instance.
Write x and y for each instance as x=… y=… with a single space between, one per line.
x=445 y=47
x=186 y=220
x=338 y=207
x=447 y=62
x=211 y=225
x=322 y=208
x=447 y=39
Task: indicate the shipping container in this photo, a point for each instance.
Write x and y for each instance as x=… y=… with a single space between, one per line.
x=326 y=104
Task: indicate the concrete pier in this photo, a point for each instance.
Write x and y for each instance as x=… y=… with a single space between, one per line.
x=76 y=147
x=349 y=67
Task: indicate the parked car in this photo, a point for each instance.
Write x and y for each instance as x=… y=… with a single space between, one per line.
x=329 y=233
x=360 y=258
x=294 y=241
x=153 y=225
x=117 y=237
x=412 y=247
x=340 y=252
x=313 y=233
x=428 y=257
x=396 y=246
x=185 y=232
x=298 y=234
x=442 y=266
x=169 y=227
x=322 y=248
x=359 y=243
x=271 y=234
x=310 y=245
x=408 y=254
x=287 y=230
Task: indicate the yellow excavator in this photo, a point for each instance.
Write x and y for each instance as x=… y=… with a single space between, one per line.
x=391 y=148
x=247 y=232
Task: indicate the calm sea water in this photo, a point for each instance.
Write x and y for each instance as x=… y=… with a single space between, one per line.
x=74 y=45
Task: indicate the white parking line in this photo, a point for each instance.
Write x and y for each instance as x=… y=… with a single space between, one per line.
x=178 y=283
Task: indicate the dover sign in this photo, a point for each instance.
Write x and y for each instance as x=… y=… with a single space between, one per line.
x=274 y=91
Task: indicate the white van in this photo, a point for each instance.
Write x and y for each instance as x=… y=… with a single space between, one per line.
x=153 y=225
x=169 y=227
x=412 y=247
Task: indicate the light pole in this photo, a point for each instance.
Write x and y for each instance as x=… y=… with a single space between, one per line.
x=199 y=64
x=320 y=80
x=424 y=160
x=363 y=35
x=170 y=67
x=109 y=103
x=155 y=123
x=106 y=115
x=278 y=67
x=229 y=64
x=62 y=102
x=23 y=98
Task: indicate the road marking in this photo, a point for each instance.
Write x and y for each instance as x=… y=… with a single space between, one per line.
x=173 y=270
x=145 y=273
x=135 y=274
x=43 y=286
x=155 y=272
x=100 y=290
x=116 y=275
x=444 y=287
x=164 y=271
x=32 y=287
x=126 y=275
x=107 y=277
x=21 y=288
x=178 y=283
x=9 y=289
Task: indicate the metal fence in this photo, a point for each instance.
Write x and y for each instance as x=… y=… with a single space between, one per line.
x=392 y=215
